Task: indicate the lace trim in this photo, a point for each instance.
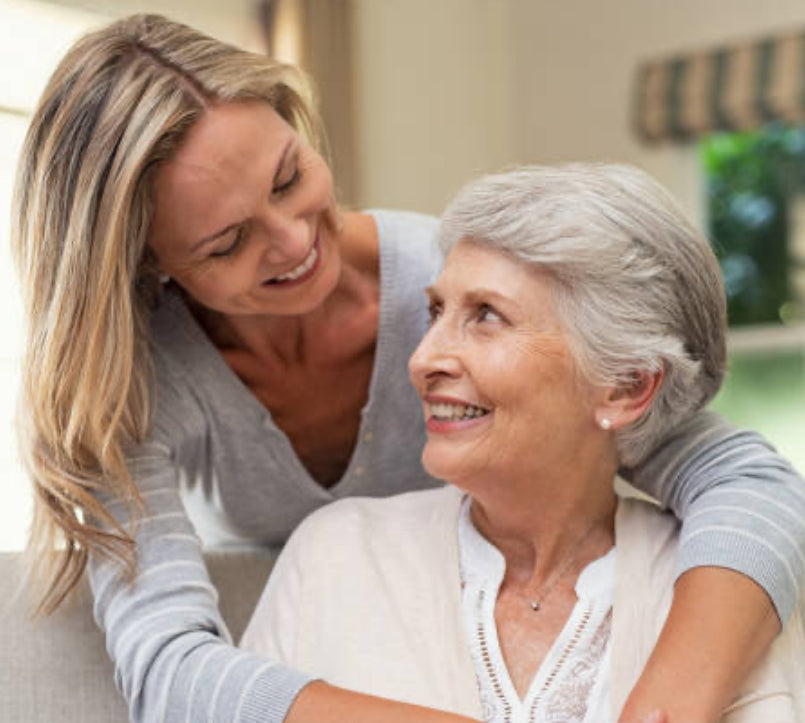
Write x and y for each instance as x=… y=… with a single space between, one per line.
x=560 y=664
x=569 y=701
x=565 y=695
x=491 y=671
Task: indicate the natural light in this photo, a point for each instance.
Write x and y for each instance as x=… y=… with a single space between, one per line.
x=765 y=391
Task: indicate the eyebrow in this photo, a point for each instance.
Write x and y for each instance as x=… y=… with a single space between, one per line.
x=473 y=296
x=213 y=236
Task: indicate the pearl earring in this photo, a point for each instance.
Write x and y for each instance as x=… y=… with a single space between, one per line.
x=163 y=278
x=605 y=423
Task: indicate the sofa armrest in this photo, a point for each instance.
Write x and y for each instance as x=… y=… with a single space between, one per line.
x=56 y=669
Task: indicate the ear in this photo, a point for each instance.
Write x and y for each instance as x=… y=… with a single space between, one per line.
x=626 y=403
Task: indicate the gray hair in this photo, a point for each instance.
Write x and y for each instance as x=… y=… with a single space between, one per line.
x=636 y=287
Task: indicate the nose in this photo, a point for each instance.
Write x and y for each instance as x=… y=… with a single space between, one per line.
x=288 y=236
x=437 y=356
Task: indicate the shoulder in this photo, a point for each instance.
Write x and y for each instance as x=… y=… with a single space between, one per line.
x=385 y=522
x=647 y=537
x=180 y=359
x=369 y=554
x=356 y=514
x=409 y=240
x=175 y=333
x=636 y=511
x=419 y=225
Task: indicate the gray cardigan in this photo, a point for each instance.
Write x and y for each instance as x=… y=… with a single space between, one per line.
x=216 y=452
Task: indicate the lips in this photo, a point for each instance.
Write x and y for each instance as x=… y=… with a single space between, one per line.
x=455 y=412
x=446 y=414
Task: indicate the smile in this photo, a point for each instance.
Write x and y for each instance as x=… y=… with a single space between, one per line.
x=448 y=417
x=442 y=411
x=299 y=273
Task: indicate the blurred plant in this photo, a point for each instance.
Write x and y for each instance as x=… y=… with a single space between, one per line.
x=751 y=179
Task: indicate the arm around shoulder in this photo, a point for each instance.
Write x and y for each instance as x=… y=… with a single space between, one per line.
x=742 y=505
x=741 y=565
x=173 y=657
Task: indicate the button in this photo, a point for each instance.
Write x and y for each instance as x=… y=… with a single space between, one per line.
x=368 y=437
x=360 y=470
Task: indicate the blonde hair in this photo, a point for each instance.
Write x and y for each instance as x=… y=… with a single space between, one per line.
x=118 y=105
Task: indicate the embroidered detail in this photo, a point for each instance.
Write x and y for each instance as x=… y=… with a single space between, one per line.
x=568 y=650
x=566 y=691
x=568 y=701
x=491 y=672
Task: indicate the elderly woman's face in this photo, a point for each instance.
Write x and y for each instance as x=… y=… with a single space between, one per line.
x=499 y=387
x=244 y=215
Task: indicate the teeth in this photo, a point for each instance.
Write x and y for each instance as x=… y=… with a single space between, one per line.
x=303 y=268
x=453 y=412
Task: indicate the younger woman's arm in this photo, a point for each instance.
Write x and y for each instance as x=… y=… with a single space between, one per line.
x=719 y=626
x=322 y=703
x=741 y=565
x=174 y=659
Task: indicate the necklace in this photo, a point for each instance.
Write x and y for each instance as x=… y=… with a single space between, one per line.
x=535 y=603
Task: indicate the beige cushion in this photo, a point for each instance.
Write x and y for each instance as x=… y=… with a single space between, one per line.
x=56 y=670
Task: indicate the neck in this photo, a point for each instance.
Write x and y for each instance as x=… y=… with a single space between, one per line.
x=542 y=521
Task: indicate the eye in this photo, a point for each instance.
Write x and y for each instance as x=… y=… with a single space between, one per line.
x=434 y=312
x=229 y=250
x=284 y=186
x=486 y=312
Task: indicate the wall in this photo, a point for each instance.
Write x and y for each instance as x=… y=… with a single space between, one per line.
x=447 y=89
x=231 y=20
x=434 y=105
x=38 y=36
x=575 y=68
x=451 y=88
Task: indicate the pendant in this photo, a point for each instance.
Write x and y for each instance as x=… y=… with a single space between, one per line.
x=535 y=606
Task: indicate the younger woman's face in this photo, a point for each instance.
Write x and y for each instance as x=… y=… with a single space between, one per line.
x=244 y=215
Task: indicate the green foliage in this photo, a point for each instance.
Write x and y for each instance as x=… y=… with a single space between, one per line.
x=767 y=393
x=751 y=178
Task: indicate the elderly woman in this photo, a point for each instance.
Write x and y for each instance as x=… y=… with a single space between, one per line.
x=577 y=320
x=215 y=350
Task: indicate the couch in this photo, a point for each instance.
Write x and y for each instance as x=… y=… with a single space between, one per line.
x=56 y=670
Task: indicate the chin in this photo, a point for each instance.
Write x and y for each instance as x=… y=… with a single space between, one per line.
x=442 y=464
x=312 y=295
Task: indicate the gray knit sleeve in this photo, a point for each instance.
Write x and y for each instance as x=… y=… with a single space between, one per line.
x=173 y=656
x=741 y=504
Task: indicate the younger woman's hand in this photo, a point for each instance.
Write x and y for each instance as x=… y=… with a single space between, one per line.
x=656 y=716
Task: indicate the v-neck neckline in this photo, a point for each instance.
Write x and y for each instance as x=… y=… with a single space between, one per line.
x=483 y=566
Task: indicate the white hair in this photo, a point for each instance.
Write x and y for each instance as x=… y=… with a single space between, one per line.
x=636 y=287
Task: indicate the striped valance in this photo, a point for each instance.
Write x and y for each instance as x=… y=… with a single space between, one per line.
x=735 y=87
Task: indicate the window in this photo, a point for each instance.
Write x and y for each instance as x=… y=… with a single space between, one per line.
x=755 y=182
x=755 y=192
x=756 y=211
